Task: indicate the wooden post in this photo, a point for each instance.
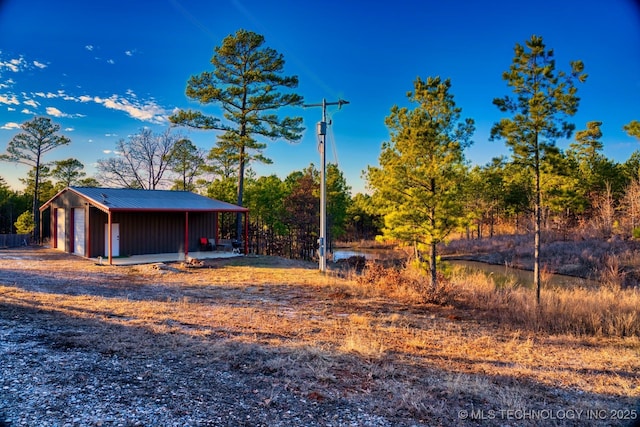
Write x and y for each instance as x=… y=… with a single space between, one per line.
x=246 y=233
x=217 y=227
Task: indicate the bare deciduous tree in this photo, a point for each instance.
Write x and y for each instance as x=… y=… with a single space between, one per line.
x=630 y=205
x=140 y=161
x=604 y=211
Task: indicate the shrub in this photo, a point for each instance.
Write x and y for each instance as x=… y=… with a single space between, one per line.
x=409 y=283
x=25 y=223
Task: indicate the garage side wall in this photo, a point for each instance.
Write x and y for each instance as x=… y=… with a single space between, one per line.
x=66 y=201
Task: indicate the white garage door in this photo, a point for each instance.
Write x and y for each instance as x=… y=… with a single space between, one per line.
x=78 y=231
x=61 y=238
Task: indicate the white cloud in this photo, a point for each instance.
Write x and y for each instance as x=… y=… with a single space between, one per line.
x=17 y=65
x=111 y=61
x=10 y=126
x=7 y=83
x=139 y=109
x=146 y=112
x=14 y=65
x=69 y=129
x=9 y=100
x=128 y=53
x=89 y=47
x=53 y=111
x=60 y=94
x=106 y=151
x=27 y=111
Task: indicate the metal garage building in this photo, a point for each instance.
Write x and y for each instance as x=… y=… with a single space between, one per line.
x=138 y=221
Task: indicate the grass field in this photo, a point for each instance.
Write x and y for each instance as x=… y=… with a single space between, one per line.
x=472 y=354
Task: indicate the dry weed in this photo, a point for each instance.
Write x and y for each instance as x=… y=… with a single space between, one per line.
x=606 y=311
x=409 y=284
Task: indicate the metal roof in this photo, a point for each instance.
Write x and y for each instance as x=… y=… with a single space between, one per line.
x=125 y=199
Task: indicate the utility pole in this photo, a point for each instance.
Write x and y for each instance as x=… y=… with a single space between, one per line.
x=322 y=136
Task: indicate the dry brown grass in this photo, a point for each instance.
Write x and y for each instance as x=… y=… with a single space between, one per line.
x=377 y=338
x=609 y=311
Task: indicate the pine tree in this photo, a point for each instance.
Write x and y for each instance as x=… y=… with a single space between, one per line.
x=418 y=182
x=186 y=162
x=632 y=128
x=543 y=101
x=245 y=82
x=68 y=172
x=38 y=137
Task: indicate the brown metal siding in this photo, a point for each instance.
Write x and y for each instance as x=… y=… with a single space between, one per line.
x=151 y=232
x=201 y=224
x=97 y=220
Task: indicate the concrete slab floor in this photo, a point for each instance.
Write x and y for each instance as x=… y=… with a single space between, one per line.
x=167 y=257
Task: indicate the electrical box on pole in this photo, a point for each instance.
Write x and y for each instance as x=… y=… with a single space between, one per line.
x=321 y=129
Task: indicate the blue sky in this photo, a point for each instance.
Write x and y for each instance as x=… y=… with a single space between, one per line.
x=103 y=70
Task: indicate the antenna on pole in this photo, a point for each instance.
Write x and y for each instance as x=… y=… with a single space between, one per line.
x=321 y=129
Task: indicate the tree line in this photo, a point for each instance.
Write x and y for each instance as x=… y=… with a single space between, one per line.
x=426 y=189
x=284 y=212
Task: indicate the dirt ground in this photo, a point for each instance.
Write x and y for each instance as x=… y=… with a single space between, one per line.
x=261 y=341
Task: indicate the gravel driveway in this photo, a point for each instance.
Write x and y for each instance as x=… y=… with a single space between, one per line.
x=59 y=370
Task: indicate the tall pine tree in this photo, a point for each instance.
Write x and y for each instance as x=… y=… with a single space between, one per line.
x=246 y=83
x=38 y=137
x=543 y=100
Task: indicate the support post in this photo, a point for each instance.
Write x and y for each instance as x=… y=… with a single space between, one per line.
x=186 y=235
x=246 y=233
x=109 y=242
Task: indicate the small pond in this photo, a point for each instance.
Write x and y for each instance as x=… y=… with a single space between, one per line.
x=501 y=273
x=367 y=253
x=505 y=274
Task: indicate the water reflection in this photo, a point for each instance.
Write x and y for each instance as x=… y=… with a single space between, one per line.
x=366 y=253
x=505 y=274
x=501 y=273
